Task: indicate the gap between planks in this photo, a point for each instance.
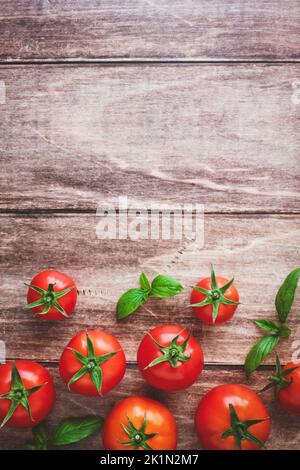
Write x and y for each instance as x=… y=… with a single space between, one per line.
x=145 y=61
x=86 y=211
x=132 y=365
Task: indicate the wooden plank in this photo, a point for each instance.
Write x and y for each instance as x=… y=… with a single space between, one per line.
x=284 y=428
x=206 y=30
x=259 y=250
x=226 y=137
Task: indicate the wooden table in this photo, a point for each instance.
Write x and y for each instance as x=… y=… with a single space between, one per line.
x=166 y=101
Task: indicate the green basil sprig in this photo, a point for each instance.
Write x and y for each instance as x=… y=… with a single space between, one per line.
x=265 y=345
x=161 y=286
x=285 y=296
x=69 y=431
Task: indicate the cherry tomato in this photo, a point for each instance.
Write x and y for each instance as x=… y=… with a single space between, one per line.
x=139 y=423
x=170 y=358
x=93 y=363
x=286 y=382
x=214 y=299
x=52 y=295
x=232 y=417
x=289 y=395
x=27 y=394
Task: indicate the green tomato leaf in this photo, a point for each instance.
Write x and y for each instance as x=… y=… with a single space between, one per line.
x=165 y=286
x=285 y=296
x=75 y=429
x=262 y=348
x=144 y=282
x=268 y=325
x=130 y=301
x=96 y=376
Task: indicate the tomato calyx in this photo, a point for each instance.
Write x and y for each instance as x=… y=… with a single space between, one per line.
x=137 y=437
x=173 y=353
x=239 y=429
x=279 y=380
x=91 y=364
x=48 y=299
x=215 y=296
x=18 y=395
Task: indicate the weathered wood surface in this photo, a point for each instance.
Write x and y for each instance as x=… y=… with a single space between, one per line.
x=156 y=29
x=226 y=136
x=223 y=136
x=259 y=250
x=284 y=432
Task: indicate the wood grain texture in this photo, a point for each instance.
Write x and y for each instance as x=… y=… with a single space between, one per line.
x=223 y=136
x=206 y=30
x=76 y=136
x=285 y=429
x=259 y=251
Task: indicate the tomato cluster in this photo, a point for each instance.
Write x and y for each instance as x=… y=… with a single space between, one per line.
x=169 y=358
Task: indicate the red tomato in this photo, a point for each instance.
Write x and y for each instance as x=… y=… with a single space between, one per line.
x=170 y=358
x=52 y=295
x=222 y=419
x=30 y=383
x=93 y=363
x=139 y=423
x=289 y=395
x=217 y=299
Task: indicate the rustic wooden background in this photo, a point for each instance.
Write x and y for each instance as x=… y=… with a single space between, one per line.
x=159 y=100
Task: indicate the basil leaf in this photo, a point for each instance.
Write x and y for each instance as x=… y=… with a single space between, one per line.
x=285 y=295
x=161 y=286
x=259 y=352
x=268 y=325
x=32 y=447
x=130 y=301
x=39 y=434
x=284 y=330
x=144 y=282
x=75 y=429
x=165 y=286
x=41 y=439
